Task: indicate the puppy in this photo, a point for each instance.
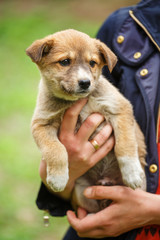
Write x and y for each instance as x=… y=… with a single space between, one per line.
x=70 y=63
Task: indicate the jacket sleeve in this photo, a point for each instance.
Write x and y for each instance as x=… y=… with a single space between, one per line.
x=50 y=202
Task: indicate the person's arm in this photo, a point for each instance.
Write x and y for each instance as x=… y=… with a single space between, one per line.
x=81 y=154
x=129 y=210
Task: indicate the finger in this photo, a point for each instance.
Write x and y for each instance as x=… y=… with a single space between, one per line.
x=71 y=116
x=102 y=192
x=103 y=135
x=81 y=212
x=89 y=126
x=72 y=219
x=102 y=151
x=83 y=225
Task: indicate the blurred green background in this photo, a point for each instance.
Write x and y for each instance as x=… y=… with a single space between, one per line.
x=22 y=22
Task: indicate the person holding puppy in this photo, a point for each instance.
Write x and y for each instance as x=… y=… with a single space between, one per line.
x=133 y=34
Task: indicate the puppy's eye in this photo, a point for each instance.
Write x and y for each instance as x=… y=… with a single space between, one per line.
x=65 y=62
x=92 y=63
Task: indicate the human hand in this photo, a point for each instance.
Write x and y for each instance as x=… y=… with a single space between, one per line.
x=81 y=154
x=130 y=209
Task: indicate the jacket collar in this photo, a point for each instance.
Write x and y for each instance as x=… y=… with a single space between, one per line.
x=147 y=12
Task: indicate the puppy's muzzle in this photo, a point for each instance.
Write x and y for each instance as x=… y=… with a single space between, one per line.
x=84 y=84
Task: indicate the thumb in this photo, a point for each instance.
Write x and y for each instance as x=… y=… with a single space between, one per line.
x=103 y=192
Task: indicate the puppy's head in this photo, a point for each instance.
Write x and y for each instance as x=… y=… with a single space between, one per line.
x=71 y=62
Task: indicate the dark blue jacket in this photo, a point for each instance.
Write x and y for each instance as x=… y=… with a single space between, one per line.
x=137 y=73
x=134 y=36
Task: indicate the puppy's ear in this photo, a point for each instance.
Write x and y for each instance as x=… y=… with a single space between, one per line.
x=39 y=49
x=109 y=58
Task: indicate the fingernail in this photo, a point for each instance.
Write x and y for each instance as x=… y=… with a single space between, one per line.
x=88 y=192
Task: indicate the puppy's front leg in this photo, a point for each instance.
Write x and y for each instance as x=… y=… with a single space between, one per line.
x=126 y=148
x=54 y=153
x=118 y=110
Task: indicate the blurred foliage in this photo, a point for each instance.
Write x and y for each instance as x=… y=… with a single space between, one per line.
x=21 y=22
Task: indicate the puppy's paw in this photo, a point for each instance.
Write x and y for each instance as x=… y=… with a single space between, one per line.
x=132 y=173
x=133 y=180
x=57 y=183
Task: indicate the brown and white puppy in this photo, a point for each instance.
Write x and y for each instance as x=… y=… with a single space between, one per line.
x=70 y=63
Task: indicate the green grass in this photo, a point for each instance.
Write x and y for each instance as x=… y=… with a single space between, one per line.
x=22 y=22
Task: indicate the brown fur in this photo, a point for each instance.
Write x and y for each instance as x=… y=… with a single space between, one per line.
x=59 y=88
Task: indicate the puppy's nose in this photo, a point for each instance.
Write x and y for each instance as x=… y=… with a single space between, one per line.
x=84 y=83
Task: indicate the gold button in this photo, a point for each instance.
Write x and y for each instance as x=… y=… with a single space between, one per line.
x=137 y=55
x=120 y=39
x=144 y=72
x=153 y=168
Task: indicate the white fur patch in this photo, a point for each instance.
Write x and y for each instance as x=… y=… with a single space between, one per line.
x=132 y=172
x=83 y=74
x=59 y=182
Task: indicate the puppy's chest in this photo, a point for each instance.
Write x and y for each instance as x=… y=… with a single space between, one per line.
x=84 y=114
